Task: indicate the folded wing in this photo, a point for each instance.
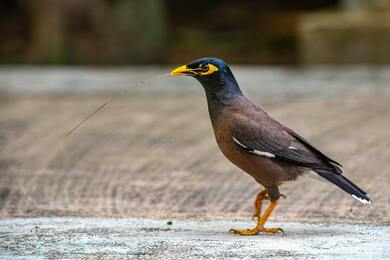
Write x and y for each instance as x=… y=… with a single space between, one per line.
x=268 y=138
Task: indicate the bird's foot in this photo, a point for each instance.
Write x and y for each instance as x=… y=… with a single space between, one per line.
x=260 y=224
x=255 y=231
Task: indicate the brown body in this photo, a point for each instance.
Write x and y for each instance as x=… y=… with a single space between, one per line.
x=269 y=173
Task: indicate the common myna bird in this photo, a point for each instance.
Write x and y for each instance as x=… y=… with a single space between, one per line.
x=258 y=144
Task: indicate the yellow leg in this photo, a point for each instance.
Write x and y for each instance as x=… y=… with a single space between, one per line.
x=262 y=195
x=260 y=224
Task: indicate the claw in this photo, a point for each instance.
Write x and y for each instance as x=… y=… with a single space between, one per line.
x=234 y=231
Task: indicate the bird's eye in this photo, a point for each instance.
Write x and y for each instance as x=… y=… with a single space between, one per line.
x=204 y=67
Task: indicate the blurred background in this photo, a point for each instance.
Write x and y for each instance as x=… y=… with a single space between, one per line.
x=319 y=66
x=168 y=32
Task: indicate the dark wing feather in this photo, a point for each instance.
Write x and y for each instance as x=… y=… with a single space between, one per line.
x=311 y=147
x=269 y=136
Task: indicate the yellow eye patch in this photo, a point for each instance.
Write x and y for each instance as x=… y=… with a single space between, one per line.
x=211 y=70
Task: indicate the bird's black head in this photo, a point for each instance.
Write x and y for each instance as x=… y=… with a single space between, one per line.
x=212 y=73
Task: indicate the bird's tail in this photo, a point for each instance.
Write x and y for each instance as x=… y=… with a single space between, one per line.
x=346 y=185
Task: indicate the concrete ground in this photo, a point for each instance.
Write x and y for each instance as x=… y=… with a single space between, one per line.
x=144 y=238
x=152 y=155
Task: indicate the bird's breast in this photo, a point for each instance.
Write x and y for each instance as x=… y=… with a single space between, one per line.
x=232 y=152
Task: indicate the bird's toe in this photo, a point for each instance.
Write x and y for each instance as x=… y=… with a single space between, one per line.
x=245 y=232
x=273 y=230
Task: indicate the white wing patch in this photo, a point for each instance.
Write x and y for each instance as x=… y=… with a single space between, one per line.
x=265 y=154
x=257 y=152
x=239 y=143
x=364 y=201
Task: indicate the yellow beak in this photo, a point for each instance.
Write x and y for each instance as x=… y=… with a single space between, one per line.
x=182 y=70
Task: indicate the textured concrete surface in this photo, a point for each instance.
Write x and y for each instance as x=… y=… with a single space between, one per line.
x=145 y=238
x=155 y=156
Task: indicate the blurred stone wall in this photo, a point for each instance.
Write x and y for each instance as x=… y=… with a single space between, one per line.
x=346 y=38
x=358 y=33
